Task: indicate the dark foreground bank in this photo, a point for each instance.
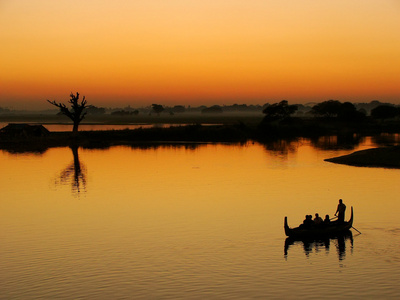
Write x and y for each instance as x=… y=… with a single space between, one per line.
x=386 y=157
x=20 y=141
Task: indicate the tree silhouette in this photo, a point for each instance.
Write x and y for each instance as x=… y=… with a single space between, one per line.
x=335 y=109
x=157 y=108
x=77 y=111
x=330 y=108
x=93 y=110
x=178 y=109
x=215 y=109
x=348 y=112
x=281 y=110
x=384 y=112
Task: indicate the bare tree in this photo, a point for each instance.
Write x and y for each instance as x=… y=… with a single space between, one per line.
x=77 y=111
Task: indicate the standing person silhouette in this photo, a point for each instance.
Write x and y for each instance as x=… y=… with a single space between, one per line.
x=341 y=208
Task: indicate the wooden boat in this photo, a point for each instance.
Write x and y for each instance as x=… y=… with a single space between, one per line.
x=330 y=230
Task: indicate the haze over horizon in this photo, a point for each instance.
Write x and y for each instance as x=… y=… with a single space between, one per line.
x=190 y=52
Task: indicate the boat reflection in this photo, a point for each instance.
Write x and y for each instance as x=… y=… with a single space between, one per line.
x=315 y=245
x=74 y=173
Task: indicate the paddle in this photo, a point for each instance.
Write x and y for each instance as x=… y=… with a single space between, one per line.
x=335 y=217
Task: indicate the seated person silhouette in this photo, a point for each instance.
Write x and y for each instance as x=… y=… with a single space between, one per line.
x=318 y=220
x=308 y=222
x=327 y=220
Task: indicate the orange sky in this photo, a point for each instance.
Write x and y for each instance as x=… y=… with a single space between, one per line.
x=198 y=52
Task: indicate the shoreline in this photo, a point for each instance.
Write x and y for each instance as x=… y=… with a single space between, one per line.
x=382 y=157
x=232 y=131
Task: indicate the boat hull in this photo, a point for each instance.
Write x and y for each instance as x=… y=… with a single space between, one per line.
x=328 y=231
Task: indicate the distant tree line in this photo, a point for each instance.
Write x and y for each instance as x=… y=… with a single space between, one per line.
x=281 y=120
x=177 y=109
x=336 y=109
x=280 y=111
x=4 y=110
x=331 y=109
x=125 y=113
x=385 y=112
x=93 y=110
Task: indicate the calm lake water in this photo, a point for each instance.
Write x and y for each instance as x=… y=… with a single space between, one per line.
x=194 y=222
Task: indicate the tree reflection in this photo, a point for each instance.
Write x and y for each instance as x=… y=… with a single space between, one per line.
x=337 y=142
x=74 y=173
x=315 y=245
x=386 y=139
x=282 y=147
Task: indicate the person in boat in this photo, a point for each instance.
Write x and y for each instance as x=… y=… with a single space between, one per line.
x=318 y=220
x=327 y=220
x=308 y=222
x=341 y=208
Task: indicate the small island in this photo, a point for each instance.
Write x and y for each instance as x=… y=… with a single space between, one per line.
x=385 y=157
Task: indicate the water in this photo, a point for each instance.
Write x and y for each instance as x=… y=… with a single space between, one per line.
x=194 y=222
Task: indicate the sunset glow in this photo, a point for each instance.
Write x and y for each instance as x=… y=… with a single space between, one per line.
x=199 y=52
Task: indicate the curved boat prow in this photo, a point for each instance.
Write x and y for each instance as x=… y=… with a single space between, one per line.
x=286 y=226
x=333 y=229
x=351 y=217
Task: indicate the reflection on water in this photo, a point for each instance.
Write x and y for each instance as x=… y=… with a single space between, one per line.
x=154 y=146
x=191 y=222
x=283 y=147
x=338 y=142
x=316 y=245
x=328 y=143
x=75 y=173
x=386 y=139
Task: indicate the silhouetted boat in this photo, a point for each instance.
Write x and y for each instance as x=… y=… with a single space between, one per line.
x=334 y=228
